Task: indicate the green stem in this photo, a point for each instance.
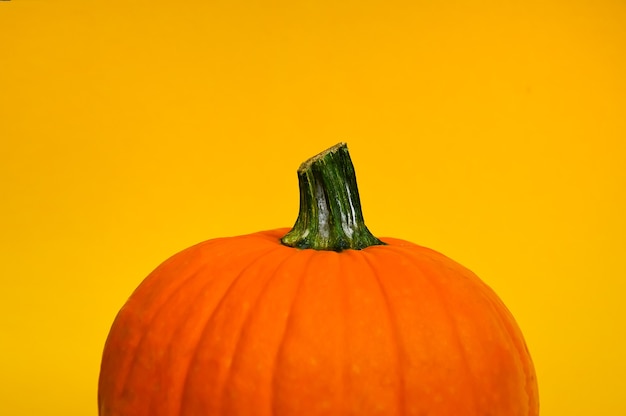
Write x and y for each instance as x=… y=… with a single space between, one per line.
x=330 y=216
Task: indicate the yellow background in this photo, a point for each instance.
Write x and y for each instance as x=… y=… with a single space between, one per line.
x=492 y=131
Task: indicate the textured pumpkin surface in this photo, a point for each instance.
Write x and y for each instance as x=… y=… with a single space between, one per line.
x=248 y=326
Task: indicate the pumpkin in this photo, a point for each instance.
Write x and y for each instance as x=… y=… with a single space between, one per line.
x=322 y=319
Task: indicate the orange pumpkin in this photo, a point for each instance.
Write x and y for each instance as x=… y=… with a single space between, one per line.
x=322 y=320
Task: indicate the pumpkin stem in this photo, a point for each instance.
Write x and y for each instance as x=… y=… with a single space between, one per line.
x=330 y=216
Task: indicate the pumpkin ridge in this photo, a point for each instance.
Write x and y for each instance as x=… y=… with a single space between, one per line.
x=159 y=310
x=462 y=348
x=343 y=272
x=132 y=353
x=281 y=344
x=393 y=323
x=245 y=326
x=526 y=364
x=504 y=319
x=191 y=301
x=445 y=305
x=206 y=325
x=202 y=269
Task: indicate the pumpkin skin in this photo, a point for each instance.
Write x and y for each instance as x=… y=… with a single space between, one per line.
x=322 y=319
x=248 y=326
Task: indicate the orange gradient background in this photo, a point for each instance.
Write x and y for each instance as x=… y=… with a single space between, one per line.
x=491 y=131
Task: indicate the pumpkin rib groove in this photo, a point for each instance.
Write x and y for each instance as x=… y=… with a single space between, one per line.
x=345 y=308
x=157 y=309
x=426 y=277
x=393 y=323
x=207 y=326
x=245 y=326
x=500 y=310
x=288 y=325
x=203 y=270
x=350 y=274
x=177 y=333
x=462 y=348
x=521 y=352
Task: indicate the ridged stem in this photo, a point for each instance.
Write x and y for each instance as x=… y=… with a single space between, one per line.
x=330 y=216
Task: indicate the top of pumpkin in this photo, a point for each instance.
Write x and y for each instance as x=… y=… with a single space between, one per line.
x=330 y=216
